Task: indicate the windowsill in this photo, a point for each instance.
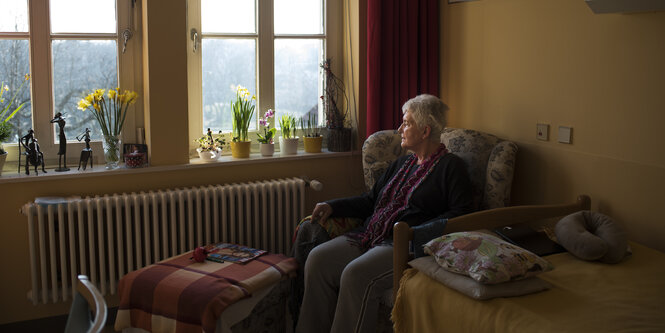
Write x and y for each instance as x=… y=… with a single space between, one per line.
x=194 y=163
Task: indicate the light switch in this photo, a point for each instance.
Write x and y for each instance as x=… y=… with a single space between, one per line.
x=543 y=132
x=565 y=134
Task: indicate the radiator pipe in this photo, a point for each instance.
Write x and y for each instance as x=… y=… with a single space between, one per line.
x=313 y=183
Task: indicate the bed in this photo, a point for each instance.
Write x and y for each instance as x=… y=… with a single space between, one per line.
x=584 y=296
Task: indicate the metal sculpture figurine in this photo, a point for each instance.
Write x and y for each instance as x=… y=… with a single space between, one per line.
x=62 y=152
x=86 y=153
x=33 y=154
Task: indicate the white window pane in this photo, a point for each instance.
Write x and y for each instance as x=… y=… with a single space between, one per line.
x=298 y=79
x=228 y=16
x=298 y=17
x=13 y=16
x=83 y=16
x=226 y=63
x=14 y=65
x=80 y=66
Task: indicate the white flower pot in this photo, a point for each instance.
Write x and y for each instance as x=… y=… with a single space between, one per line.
x=267 y=149
x=288 y=146
x=209 y=155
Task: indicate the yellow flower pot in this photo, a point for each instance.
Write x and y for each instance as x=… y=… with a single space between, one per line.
x=240 y=149
x=313 y=144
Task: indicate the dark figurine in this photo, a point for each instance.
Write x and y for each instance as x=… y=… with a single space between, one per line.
x=86 y=153
x=62 y=152
x=33 y=155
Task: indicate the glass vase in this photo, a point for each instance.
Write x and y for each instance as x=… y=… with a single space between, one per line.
x=111 y=145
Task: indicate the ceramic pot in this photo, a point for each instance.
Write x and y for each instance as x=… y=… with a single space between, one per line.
x=240 y=149
x=288 y=146
x=312 y=144
x=267 y=149
x=209 y=155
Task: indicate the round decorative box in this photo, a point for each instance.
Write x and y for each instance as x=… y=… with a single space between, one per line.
x=134 y=160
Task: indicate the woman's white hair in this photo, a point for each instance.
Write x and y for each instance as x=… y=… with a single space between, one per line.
x=428 y=110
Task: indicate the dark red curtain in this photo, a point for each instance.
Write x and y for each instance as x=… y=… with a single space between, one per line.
x=402 y=57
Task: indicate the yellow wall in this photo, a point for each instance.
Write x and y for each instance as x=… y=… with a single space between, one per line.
x=510 y=64
x=165 y=101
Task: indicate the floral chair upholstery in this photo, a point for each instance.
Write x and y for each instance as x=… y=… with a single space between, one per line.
x=489 y=159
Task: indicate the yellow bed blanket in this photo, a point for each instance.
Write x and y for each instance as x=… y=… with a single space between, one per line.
x=585 y=297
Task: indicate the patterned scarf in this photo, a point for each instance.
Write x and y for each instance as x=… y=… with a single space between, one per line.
x=396 y=196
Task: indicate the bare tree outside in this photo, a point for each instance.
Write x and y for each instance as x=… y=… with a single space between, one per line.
x=80 y=66
x=14 y=65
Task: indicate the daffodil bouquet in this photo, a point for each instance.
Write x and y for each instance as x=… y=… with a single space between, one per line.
x=109 y=108
x=243 y=110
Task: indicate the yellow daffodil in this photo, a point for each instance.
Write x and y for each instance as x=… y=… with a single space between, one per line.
x=27 y=77
x=6 y=88
x=83 y=104
x=109 y=106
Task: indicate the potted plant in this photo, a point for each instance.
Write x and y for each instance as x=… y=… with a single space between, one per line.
x=335 y=104
x=266 y=144
x=6 y=115
x=312 y=138
x=288 y=142
x=210 y=148
x=242 y=112
x=110 y=110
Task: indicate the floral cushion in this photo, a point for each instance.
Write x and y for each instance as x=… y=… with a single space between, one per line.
x=485 y=258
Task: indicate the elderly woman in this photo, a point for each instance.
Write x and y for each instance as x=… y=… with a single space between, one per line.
x=345 y=276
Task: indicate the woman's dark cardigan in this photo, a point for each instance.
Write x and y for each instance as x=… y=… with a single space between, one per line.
x=445 y=193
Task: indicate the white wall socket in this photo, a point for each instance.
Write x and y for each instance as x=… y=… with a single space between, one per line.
x=543 y=132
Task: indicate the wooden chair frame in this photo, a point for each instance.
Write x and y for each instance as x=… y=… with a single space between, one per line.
x=486 y=219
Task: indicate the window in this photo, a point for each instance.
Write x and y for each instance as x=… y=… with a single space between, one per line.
x=272 y=47
x=74 y=46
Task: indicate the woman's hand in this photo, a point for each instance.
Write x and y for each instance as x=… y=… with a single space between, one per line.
x=321 y=212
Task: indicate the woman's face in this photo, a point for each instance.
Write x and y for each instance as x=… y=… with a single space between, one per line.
x=412 y=135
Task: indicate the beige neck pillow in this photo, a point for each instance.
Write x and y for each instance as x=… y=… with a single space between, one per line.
x=592 y=236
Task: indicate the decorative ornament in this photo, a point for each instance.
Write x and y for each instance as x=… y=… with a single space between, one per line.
x=200 y=254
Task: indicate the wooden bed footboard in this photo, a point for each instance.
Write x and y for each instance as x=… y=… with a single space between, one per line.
x=486 y=219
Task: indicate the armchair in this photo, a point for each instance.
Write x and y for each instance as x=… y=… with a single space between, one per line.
x=489 y=159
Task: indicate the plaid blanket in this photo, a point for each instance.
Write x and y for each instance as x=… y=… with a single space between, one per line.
x=181 y=295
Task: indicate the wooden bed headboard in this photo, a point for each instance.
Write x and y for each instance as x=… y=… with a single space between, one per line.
x=486 y=219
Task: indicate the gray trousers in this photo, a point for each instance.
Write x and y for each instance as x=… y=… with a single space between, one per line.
x=343 y=287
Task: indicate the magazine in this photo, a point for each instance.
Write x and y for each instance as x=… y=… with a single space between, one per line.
x=222 y=252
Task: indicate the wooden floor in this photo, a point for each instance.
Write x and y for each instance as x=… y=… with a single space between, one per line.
x=51 y=324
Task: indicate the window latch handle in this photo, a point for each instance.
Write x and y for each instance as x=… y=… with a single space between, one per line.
x=194 y=35
x=126 y=35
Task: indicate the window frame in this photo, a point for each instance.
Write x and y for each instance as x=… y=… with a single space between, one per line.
x=40 y=40
x=331 y=36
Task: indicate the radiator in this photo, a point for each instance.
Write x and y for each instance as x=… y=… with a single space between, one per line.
x=107 y=236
